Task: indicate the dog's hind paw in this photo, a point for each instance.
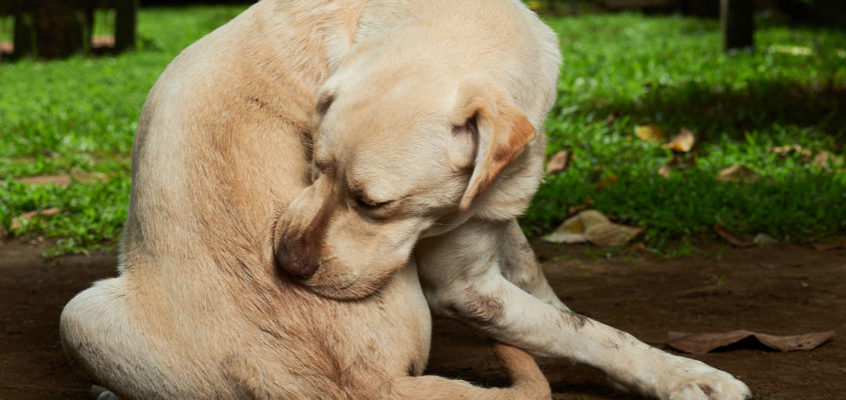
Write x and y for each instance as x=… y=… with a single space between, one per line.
x=698 y=381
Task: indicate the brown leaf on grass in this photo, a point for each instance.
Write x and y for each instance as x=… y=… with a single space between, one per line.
x=738 y=173
x=558 y=162
x=732 y=238
x=594 y=227
x=17 y=223
x=701 y=343
x=792 y=149
x=682 y=142
x=607 y=181
x=63 y=179
x=821 y=160
x=823 y=246
x=650 y=133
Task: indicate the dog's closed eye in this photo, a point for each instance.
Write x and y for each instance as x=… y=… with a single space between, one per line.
x=364 y=202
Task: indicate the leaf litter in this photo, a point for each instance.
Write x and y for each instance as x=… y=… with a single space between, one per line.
x=594 y=227
x=701 y=343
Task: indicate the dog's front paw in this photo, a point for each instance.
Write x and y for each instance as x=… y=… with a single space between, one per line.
x=693 y=380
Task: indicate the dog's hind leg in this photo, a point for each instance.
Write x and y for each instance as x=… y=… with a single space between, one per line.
x=105 y=344
x=528 y=382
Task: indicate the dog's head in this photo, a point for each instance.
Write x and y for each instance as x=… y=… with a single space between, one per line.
x=399 y=153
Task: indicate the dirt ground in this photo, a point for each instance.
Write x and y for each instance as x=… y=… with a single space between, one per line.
x=786 y=290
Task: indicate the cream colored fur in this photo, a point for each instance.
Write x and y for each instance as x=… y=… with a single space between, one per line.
x=199 y=310
x=298 y=169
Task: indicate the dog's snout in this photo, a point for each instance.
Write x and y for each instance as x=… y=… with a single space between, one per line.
x=290 y=258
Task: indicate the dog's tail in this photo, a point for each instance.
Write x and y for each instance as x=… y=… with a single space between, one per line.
x=526 y=376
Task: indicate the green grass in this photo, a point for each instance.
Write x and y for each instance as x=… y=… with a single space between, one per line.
x=670 y=71
x=80 y=115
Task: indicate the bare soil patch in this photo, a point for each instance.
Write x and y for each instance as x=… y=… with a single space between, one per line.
x=783 y=291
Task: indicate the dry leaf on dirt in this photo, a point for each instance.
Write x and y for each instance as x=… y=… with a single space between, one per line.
x=594 y=227
x=701 y=343
x=17 y=223
x=650 y=133
x=738 y=173
x=732 y=238
x=682 y=142
x=822 y=246
x=558 y=162
x=63 y=179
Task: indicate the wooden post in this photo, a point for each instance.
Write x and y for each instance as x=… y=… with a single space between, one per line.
x=126 y=19
x=24 y=35
x=737 y=18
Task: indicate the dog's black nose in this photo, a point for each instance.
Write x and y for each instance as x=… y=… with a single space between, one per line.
x=289 y=258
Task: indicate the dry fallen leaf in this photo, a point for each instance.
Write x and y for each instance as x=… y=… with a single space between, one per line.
x=791 y=149
x=650 y=133
x=822 y=246
x=821 y=160
x=592 y=226
x=682 y=142
x=558 y=162
x=738 y=173
x=17 y=223
x=701 y=343
x=732 y=238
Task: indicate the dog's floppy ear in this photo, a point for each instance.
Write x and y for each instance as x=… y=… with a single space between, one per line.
x=502 y=132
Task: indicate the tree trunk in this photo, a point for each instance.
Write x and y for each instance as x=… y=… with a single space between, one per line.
x=737 y=18
x=126 y=18
x=24 y=36
x=59 y=29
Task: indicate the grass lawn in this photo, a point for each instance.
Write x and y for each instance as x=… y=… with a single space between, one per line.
x=619 y=72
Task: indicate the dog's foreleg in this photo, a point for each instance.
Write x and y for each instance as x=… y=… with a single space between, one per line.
x=519 y=265
x=461 y=276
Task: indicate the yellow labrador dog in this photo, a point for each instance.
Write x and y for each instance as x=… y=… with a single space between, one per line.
x=296 y=171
